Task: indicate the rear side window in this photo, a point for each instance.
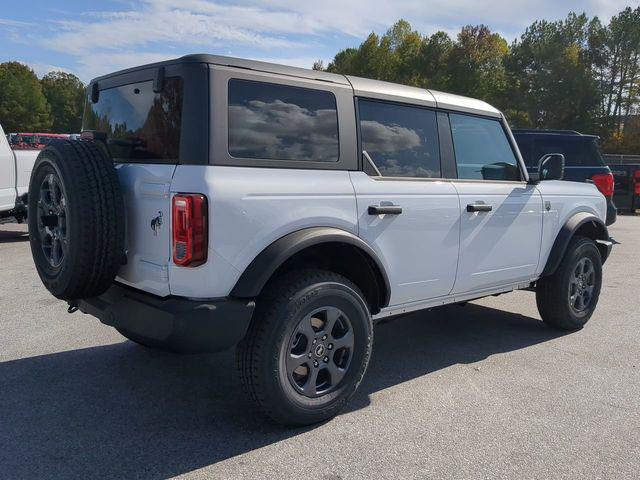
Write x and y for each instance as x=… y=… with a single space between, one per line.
x=482 y=149
x=139 y=124
x=280 y=122
x=578 y=152
x=401 y=140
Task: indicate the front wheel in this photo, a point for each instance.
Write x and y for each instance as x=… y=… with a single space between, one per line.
x=308 y=347
x=568 y=298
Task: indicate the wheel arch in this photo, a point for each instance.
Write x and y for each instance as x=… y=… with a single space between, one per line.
x=321 y=246
x=584 y=224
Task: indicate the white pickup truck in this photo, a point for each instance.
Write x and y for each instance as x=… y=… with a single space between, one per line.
x=15 y=171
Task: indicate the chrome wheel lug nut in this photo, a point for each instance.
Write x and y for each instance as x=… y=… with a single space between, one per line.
x=315 y=363
x=330 y=346
x=324 y=337
x=326 y=359
x=314 y=341
x=310 y=354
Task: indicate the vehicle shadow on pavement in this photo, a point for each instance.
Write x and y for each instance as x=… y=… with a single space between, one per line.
x=9 y=236
x=122 y=411
x=423 y=342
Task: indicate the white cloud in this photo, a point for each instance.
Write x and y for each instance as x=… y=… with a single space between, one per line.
x=15 y=23
x=509 y=17
x=95 y=65
x=265 y=24
x=41 y=69
x=159 y=22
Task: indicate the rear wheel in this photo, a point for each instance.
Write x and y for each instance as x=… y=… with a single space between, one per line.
x=308 y=347
x=568 y=298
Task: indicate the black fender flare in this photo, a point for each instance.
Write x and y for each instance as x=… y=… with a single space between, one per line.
x=260 y=270
x=566 y=233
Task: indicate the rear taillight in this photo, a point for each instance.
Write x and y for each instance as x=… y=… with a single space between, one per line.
x=636 y=182
x=604 y=182
x=190 y=229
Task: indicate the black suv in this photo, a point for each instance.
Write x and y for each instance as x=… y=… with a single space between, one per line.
x=583 y=159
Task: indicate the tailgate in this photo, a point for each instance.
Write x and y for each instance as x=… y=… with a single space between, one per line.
x=147 y=201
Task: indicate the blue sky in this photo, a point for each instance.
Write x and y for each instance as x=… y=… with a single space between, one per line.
x=91 y=38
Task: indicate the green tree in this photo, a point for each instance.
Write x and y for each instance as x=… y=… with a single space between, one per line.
x=576 y=73
x=405 y=54
x=551 y=75
x=23 y=106
x=615 y=52
x=476 y=63
x=344 y=62
x=434 y=60
x=473 y=65
x=394 y=57
x=368 y=59
x=66 y=96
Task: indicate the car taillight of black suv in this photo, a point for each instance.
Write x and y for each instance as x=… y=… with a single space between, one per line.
x=583 y=159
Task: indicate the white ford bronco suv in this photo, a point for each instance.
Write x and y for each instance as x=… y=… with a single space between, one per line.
x=216 y=201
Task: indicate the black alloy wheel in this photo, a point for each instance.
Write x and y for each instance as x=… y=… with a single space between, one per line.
x=307 y=348
x=320 y=351
x=52 y=220
x=581 y=285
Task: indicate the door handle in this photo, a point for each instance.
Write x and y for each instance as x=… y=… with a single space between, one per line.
x=385 y=210
x=479 y=207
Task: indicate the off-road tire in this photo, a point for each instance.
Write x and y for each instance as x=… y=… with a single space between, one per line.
x=553 y=292
x=94 y=219
x=259 y=355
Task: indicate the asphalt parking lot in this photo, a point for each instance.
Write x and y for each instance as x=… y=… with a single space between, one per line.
x=482 y=391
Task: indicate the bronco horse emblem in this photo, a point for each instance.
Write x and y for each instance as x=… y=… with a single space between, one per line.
x=156 y=223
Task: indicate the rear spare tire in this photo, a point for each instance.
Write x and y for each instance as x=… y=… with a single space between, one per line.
x=76 y=219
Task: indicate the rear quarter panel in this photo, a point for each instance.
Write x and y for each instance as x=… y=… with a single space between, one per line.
x=249 y=208
x=561 y=200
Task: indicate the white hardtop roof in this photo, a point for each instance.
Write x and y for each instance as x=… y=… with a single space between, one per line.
x=366 y=87
x=362 y=86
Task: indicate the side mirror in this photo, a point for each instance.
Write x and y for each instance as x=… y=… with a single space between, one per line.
x=551 y=167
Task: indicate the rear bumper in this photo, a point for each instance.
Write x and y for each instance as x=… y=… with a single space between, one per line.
x=190 y=326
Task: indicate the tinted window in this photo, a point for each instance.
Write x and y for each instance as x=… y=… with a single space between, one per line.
x=139 y=124
x=279 y=122
x=482 y=149
x=402 y=141
x=577 y=151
